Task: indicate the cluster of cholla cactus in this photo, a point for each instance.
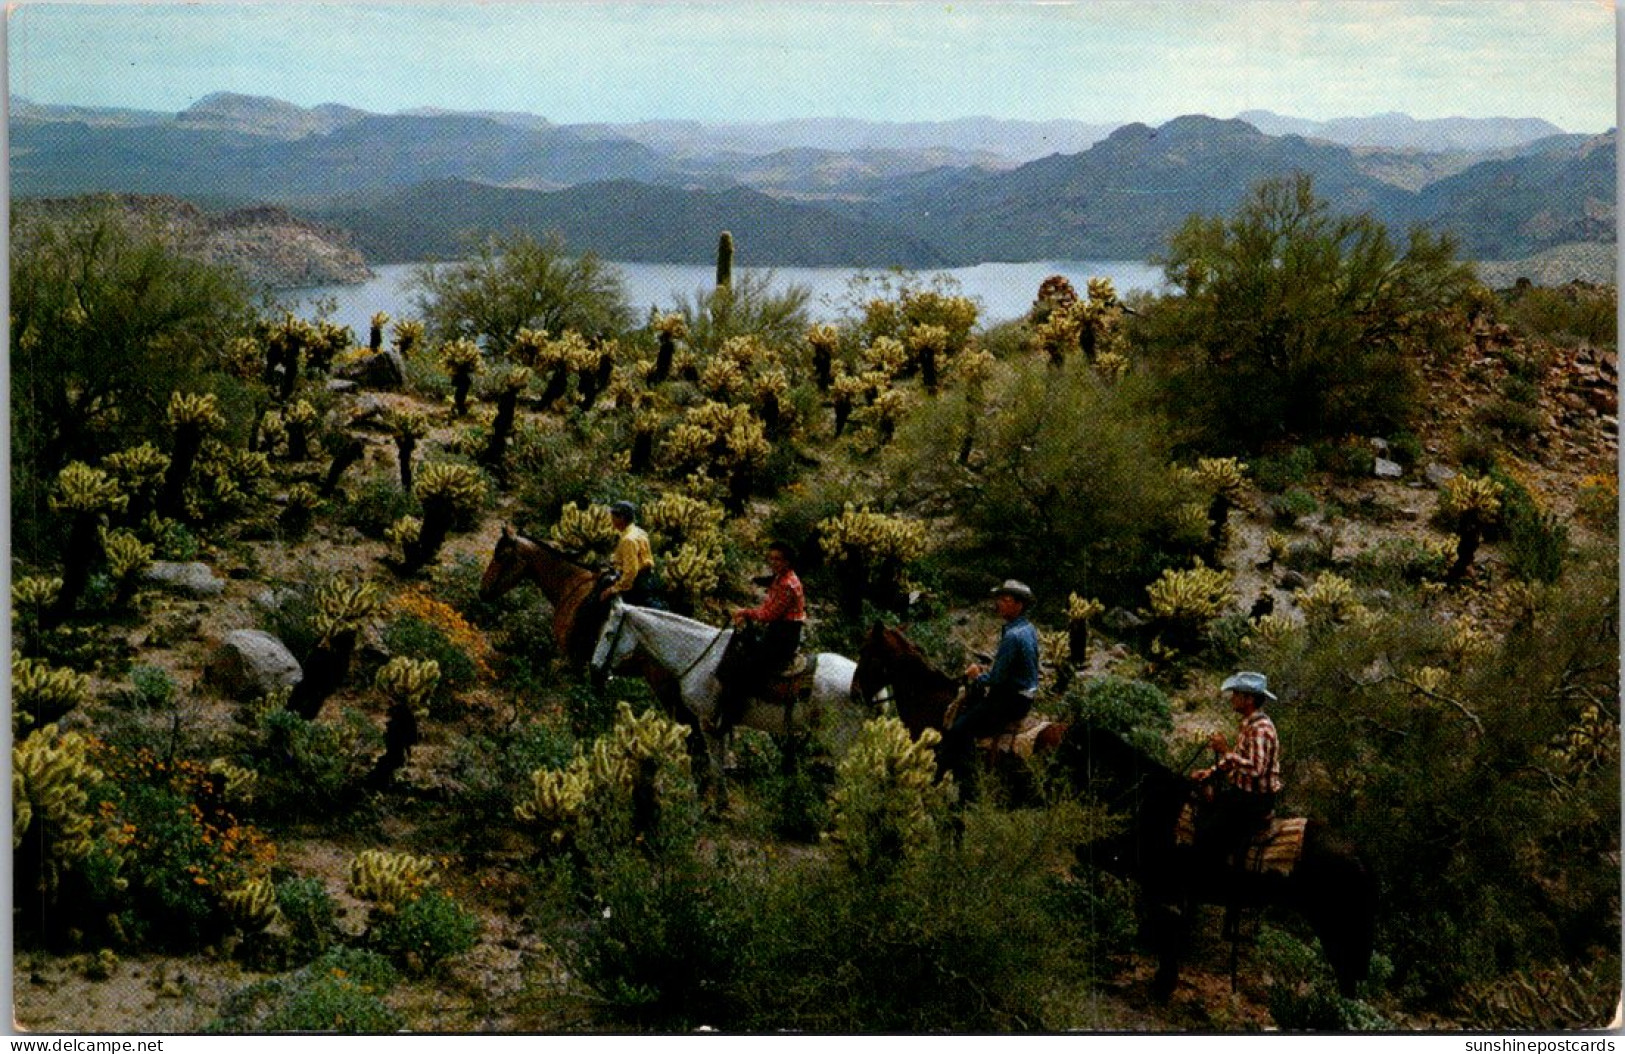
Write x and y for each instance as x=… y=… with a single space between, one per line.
x=128 y=558
x=1063 y=323
x=448 y=492
x=461 y=360
x=887 y=801
x=389 y=880
x=252 y=906
x=1184 y=603
x=869 y=551
x=622 y=784
x=1470 y=504
x=32 y=598
x=1592 y=742
x=139 y=471
x=559 y=358
x=228 y=482
x=41 y=693
x=52 y=825
x=689 y=532
x=585 y=532
x=1080 y=611
x=343 y=609
x=725 y=442
x=1330 y=602
x=238 y=785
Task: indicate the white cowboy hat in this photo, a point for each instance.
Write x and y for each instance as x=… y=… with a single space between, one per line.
x=1249 y=682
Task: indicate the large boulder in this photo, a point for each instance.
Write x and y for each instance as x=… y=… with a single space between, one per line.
x=188 y=579
x=384 y=370
x=250 y=663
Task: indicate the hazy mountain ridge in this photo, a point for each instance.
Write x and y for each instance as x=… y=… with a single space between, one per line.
x=1403 y=132
x=914 y=201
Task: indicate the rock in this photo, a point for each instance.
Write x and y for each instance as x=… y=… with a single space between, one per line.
x=1438 y=474
x=1291 y=580
x=384 y=370
x=368 y=409
x=271 y=601
x=1386 y=469
x=341 y=387
x=1379 y=444
x=1120 y=620
x=250 y=663
x=189 y=579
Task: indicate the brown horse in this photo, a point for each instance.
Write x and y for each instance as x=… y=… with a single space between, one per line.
x=922 y=694
x=578 y=614
x=568 y=586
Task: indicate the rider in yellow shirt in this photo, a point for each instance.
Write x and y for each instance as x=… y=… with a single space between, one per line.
x=632 y=558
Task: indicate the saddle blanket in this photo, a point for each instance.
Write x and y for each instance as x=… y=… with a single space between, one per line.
x=1273 y=851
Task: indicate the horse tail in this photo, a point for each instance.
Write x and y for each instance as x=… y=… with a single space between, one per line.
x=1338 y=895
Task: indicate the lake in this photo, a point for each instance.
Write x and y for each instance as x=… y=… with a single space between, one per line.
x=1005 y=290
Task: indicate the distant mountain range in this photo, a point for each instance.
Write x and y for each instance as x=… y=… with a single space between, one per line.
x=818 y=192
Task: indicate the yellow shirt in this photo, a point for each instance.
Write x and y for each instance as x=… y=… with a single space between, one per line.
x=632 y=556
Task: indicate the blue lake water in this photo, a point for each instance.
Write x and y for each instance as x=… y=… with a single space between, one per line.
x=1005 y=290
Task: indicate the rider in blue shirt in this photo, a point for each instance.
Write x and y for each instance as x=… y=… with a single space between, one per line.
x=996 y=696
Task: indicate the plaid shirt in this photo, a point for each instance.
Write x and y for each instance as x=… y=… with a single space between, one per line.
x=1255 y=765
x=784 y=602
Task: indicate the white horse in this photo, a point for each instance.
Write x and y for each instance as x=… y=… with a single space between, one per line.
x=690 y=651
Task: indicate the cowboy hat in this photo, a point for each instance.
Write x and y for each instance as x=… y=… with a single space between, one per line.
x=1249 y=682
x=1012 y=588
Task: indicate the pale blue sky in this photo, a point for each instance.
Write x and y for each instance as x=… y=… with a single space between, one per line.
x=1100 y=60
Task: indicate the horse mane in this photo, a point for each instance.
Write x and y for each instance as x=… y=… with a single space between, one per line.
x=909 y=654
x=549 y=547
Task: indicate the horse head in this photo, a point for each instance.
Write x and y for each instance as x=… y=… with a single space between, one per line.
x=506 y=568
x=873 y=673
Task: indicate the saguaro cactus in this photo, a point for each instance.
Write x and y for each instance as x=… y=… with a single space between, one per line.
x=725 y=261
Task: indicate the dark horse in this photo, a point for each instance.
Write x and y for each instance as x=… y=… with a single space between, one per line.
x=922 y=694
x=1329 y=886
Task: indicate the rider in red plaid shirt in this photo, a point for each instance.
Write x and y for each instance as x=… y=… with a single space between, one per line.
x=1245 y=802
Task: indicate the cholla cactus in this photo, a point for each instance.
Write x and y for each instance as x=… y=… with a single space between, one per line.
x=692 y=572
x=404 y=533
x=298 y=508
x=510 y=386
x=344 y=606
x=674 y=517
x=409 y=681
x=1275 y=547
x=461 y=360
x=239 y=784
x=406 y=427
x=887 y=356
x=408 y=335
x=41 y=693
x=1429 y=679
x=1055 y=673
x=528 y=347
x=51 y=776
x=588 y=530
x=252 y=905
x=1079 y=613
x=558 y=798
x=1112 y=366
x=887 y=802
x=88 y=491
x=1058 y=333
x=669 y=329
x=191 y=410
x=870 y=551
x=128 y=557
x=447 y=492
x=955 y=314
x=1470 y=504
x=1269 y=630
x=1222 y=476
x=1329 y=602
x=389 y=880
x=1467 y=643
x=31 y=596
x=1054 y=293
x=297 y=419
x=823 y=338
x=883 y=414
x=628 y=776
x=375 y=330
x=1183 y=603
x=723 y=378
x=845 y=391
x=191 y=418
x=140 y=471
x=928 y=344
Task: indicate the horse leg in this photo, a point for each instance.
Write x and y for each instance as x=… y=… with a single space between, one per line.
x=1166 y=929
x=1338 y=898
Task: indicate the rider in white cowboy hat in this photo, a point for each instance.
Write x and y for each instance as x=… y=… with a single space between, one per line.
x=1245 y=801
x=997 y=695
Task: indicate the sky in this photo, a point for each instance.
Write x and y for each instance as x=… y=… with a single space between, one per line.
x=1106 y=61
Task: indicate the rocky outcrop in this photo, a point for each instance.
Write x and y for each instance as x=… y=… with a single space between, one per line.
x=268 y=246
x=251 y=663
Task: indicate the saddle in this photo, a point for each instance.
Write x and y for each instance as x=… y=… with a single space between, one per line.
x=1019 y=739
x=1274 y=850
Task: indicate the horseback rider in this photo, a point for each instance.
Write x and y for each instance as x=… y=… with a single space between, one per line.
x=1249 y=777
x=750 y=663
x=995 y=696
x=632 y=558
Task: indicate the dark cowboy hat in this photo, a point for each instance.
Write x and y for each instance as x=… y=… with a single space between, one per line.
x=624 y=509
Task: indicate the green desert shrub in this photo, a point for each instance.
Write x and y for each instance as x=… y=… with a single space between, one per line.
x=1136 y=710
x=423 y=932
x=340 y=992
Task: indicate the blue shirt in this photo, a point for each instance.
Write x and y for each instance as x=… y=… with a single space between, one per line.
x=1016 y=663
